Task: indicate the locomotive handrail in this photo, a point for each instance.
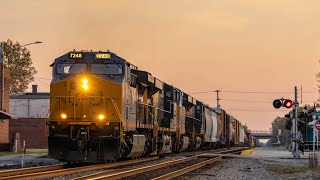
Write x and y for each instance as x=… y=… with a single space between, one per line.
x=162 y=111
x=56 y=98
x=193 y=118
x=52 y=104
x=120 y=117
x=157 y=107
x=86 y=96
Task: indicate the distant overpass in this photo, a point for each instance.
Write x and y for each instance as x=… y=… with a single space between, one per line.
x=261 y=134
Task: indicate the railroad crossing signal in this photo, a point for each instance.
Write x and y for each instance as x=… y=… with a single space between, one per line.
x=287 y=103
x=317 y=125
x=277 y=103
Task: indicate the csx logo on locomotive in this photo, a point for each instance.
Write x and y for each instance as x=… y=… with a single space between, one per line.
x=103 y=108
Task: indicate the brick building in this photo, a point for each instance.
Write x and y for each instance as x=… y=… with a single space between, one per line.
x=31 y=110
x=31 y=130
x=4 y=108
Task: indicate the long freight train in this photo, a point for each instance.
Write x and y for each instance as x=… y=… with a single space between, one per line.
x=103 y=108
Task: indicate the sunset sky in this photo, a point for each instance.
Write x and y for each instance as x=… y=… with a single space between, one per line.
x=198 y=46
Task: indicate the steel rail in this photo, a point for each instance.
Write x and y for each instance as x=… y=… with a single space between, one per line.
x=232 y=150
x=198 y=165
x=13 y=172
x=62 y=172
x=132 y=172
x=122 y=173
x=223 y=151
x=98 y=174
x=187 y=169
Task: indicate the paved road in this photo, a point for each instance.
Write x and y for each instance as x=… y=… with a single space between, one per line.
x=275 y=152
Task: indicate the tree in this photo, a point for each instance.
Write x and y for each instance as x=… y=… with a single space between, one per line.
x=279 y=123
x=18 y=60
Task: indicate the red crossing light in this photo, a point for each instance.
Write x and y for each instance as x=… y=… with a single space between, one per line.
x=287 y=103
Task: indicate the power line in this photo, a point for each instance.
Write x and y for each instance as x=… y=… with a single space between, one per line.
x=251 y=92
x=238 y=100
x=256 y=92
x=43 y=78
x=250 y=101
x=43 y=84
x=258 y=110
x=203 y=92
x=308 y=92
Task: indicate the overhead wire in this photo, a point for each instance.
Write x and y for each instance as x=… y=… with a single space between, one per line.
x=250 y=92
x=256 y=92
x=43 y=78
x=43 y=84
x=258 y=110
x=250 y=101
x=238 y=100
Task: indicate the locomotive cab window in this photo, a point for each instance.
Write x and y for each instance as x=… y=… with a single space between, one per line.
x=112 y=69
x=71 y=68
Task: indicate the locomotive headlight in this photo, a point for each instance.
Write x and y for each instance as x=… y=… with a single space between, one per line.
x=63 y=116
x=85 y=81
x=85 y=84
x=101 y=117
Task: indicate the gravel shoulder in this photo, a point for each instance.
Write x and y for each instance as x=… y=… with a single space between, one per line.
x=30 y=160
x=254 y=168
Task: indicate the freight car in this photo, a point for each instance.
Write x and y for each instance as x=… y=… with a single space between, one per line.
x=251 y=140
x=103 y=108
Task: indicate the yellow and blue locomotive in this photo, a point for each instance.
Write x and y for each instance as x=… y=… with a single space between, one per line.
x=103 y=108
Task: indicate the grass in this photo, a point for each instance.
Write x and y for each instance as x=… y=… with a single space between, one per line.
x=29 y=151
x=37 y=150
x=3 y=153
x=287 y=169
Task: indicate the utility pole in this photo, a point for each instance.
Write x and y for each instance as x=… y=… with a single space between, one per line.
x=218 y=99
x=301 y=94
x=1 y=54
x=2 y=73
x=295 y=145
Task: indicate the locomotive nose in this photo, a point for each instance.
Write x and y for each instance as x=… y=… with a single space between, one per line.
x=86 y=98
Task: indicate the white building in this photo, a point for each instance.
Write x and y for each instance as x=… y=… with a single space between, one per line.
x=30 y=105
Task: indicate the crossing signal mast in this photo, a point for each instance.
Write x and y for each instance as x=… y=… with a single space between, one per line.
x=287 y=103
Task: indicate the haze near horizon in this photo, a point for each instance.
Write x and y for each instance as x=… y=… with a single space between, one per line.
x=249 y=46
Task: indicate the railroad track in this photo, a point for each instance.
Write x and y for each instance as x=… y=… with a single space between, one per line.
x=38 y=173
x=133 y=172
x=198 y=165
x=46 y=172
x=14 y=172
x=187 y=169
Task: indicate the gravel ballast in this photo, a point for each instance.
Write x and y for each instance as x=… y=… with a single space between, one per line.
x=251 y=168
